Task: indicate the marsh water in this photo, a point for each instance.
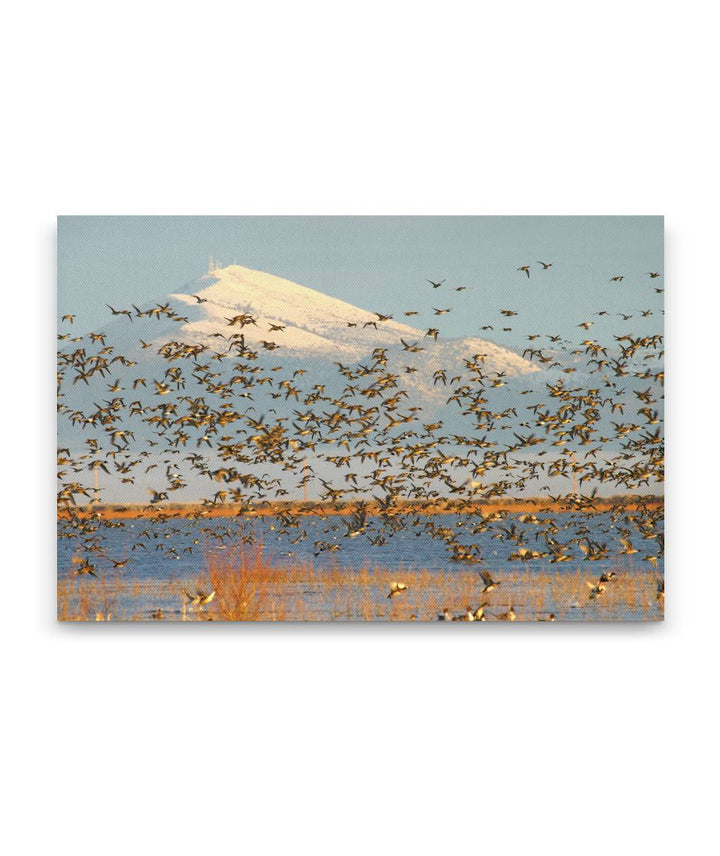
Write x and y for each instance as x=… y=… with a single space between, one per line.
x=162 y=560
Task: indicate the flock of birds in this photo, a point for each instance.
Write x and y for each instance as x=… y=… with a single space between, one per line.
x=259 y=432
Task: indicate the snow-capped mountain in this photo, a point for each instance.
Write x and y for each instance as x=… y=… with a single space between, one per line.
x=314 y=324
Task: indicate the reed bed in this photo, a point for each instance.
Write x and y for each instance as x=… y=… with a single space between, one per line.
x=248 y=587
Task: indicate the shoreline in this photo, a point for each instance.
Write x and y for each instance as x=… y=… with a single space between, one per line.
x=529 y=505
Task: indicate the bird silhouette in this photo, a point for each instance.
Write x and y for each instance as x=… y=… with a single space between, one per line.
x=412 y=435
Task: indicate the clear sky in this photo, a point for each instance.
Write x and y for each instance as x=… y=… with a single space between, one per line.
x=381 y=264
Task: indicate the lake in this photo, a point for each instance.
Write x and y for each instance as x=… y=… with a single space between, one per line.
x=314 y=571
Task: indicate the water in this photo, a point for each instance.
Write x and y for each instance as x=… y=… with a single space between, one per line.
x=164 y=558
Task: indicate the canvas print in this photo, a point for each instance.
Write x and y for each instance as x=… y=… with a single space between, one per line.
x=431 y=419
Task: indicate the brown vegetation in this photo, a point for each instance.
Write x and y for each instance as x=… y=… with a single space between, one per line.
x=446 y=506
x=249 y=588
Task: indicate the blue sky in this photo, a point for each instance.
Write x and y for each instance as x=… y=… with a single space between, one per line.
x=381 y=264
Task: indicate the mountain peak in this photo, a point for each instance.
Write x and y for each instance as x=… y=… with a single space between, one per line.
x=306 y=322
x=313 y=322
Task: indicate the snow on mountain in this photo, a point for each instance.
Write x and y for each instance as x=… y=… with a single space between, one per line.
x=315 y=324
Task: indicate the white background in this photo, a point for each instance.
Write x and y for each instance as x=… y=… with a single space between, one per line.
x=344 y=740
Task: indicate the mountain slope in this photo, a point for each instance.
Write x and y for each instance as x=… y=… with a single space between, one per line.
x=315 y=325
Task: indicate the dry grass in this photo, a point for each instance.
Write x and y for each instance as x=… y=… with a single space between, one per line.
x=83 y=600
x=250 y=588
x=240 y=579
x=513 y=505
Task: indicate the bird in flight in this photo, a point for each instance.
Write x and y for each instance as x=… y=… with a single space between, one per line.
x=120 y=311
x=199 y=598
x=83 y=567
x=395 y=465
x=396 y=589
x=596 y=589
x=490 y=583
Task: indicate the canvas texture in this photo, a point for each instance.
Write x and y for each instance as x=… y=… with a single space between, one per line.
x=431 y=419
